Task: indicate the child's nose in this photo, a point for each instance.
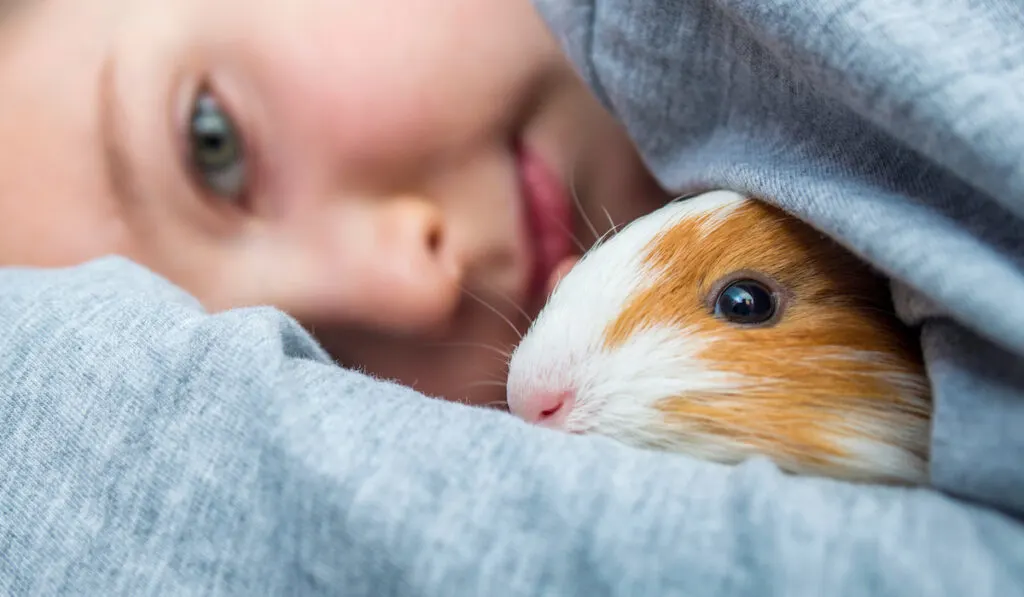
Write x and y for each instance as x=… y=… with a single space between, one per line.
x=420 y=272
x=419 y=227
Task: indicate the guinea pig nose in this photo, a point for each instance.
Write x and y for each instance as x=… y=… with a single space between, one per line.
x=547 y=409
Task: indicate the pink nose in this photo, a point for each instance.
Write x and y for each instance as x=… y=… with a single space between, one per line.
x=547 y=409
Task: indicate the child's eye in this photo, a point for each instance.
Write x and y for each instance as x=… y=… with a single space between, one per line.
x=216 y=150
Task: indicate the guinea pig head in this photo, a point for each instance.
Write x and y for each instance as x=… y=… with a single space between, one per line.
x=720 y=327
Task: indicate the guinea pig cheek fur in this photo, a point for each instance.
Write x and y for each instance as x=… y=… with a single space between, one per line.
x=617 y=386
x=833 y=388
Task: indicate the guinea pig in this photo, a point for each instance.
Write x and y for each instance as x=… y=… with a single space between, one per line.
x=720 y=327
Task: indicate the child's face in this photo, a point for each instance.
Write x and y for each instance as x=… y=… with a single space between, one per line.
x=352 y=162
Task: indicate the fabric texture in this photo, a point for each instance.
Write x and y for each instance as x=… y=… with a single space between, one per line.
x=894 y=126
x=149 y=448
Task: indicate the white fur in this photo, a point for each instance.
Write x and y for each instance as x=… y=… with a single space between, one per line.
x=617 y=389
x=564 y=348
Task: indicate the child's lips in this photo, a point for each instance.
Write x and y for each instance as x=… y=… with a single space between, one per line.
x=548 y=220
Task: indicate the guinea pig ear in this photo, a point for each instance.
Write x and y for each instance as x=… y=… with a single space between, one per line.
x=747 y=298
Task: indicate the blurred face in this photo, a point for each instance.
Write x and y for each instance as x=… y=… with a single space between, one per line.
x=399 y=175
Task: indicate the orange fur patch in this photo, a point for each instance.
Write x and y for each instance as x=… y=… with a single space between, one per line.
x=838 y=356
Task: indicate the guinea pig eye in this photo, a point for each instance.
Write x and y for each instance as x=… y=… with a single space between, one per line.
x=746 y=302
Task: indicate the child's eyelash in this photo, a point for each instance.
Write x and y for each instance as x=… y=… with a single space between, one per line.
x=223 y=166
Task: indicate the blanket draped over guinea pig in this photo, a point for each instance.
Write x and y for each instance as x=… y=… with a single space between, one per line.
x=720 y=327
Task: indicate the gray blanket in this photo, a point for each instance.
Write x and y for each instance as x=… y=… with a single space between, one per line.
x=895 y=126
x=149 y=448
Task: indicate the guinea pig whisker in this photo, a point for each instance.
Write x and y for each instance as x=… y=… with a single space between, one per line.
x=575 y=239
x=512 y=302
x=494 y=310
x=504 y=354
x=496 y=404
x=578 y=203
x=611 y=221
x=601 y=239
x=484 y=383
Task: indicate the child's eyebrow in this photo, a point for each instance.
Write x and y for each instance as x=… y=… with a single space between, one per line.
x=121 y=177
